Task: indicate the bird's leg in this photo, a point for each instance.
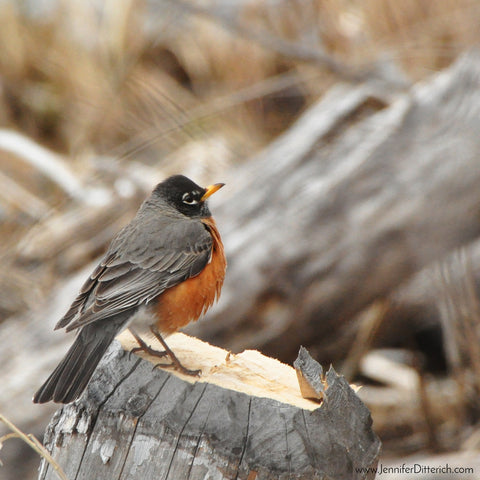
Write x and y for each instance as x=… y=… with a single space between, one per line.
x=175 y=361
x=143 y=347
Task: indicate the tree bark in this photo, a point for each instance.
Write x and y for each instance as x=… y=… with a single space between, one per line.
x=243 y=419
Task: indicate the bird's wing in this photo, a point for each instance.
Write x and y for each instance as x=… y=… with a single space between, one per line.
x=139 y=265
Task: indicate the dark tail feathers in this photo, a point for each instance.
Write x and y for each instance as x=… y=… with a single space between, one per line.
x=68 y=381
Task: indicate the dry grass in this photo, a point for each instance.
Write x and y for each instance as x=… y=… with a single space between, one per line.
x=82 y=80
x=193 y=88
x=32 y=442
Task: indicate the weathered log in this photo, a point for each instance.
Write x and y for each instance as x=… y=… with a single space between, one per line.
x=336 y=214
x=244 y=418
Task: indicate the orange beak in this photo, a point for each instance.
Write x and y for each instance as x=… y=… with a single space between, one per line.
x=211 y=189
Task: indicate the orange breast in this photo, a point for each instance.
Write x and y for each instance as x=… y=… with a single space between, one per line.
x=187 y=301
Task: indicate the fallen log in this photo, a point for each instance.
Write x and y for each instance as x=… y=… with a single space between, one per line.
x=344 y=208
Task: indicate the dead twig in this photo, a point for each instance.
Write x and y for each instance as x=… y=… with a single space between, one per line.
x=33 y=443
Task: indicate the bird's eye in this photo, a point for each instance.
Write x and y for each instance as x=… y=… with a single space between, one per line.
x=189 y=199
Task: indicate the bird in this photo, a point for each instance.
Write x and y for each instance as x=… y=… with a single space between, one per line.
x=161 y=271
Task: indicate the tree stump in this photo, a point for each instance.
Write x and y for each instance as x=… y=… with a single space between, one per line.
x=244 y=418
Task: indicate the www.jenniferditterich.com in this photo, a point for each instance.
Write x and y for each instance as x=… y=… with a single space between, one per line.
x=418 y=468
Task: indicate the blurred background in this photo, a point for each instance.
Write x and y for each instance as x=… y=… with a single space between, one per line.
x=367 y=256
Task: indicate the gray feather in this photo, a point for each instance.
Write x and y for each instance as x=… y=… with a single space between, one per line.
x=139 y=265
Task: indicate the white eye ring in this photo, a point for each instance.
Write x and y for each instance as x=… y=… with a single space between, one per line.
x=188 y=199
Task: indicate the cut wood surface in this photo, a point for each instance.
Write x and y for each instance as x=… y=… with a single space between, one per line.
x=244 y=418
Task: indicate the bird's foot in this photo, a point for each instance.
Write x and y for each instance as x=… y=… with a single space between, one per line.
x=175 y=361
x=179 y=367
x=143 y=347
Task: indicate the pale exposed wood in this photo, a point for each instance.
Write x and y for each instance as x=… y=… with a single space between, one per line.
x=248 y=372
x=244 y=418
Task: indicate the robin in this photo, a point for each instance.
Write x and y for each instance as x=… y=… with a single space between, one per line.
x=161 y=271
